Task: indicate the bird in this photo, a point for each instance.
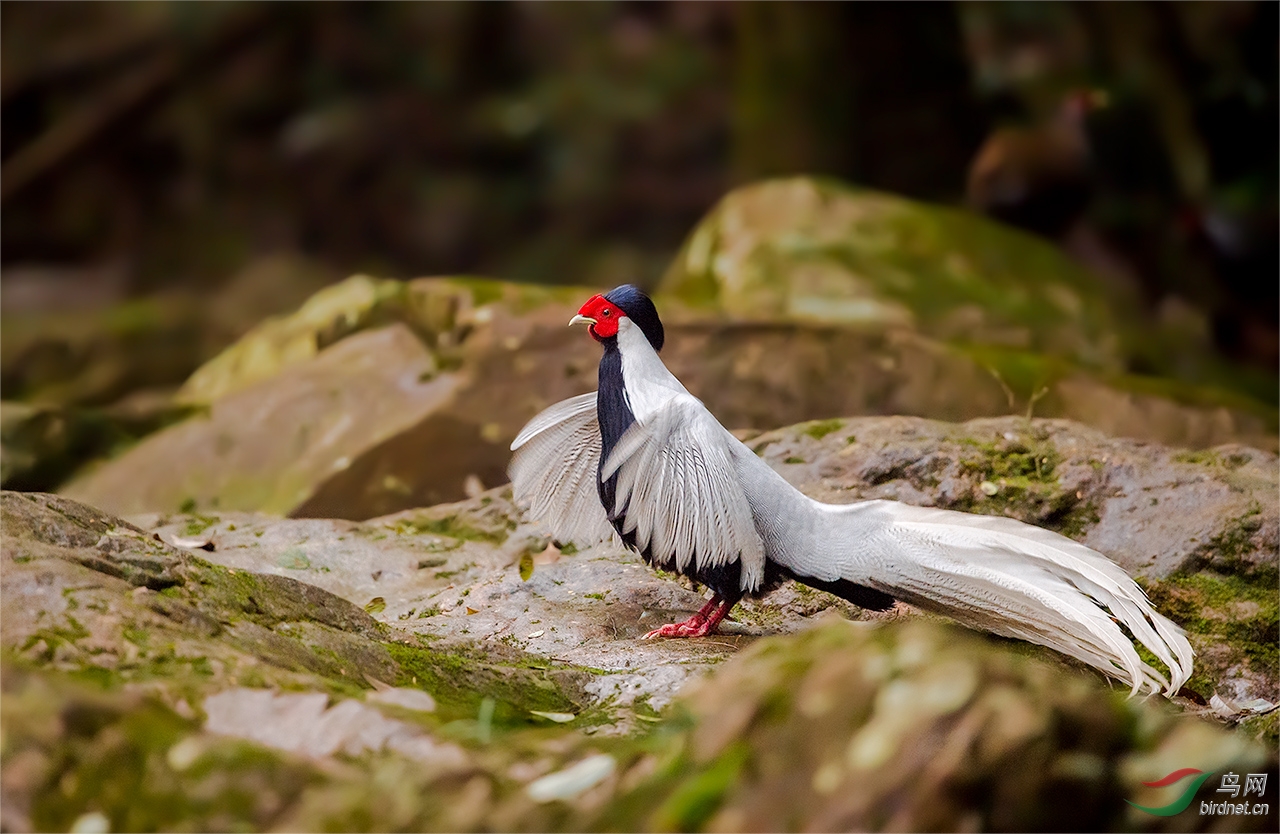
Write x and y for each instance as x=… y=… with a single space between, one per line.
x=1038 y=178
x=643 y=461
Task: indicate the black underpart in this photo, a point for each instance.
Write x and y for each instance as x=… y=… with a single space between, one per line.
x=615 y=417
x=859 y=595
x=640 y=310
x=726 y=580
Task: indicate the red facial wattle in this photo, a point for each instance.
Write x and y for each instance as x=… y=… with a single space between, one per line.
x=605 y=315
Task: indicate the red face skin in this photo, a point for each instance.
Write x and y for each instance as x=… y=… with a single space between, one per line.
x=606 y=315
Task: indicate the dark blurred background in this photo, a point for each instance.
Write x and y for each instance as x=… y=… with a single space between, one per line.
x=153 y=146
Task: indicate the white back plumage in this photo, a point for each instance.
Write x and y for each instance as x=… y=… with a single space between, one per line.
x=693 y=492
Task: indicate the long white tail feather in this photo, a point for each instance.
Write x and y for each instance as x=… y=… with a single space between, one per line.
x=1012 y=579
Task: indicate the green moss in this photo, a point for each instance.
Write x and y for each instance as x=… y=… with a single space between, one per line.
x=1018 y=459
x=484 y=292
x=1232 y=612
x=702 y=791
x=1235 y=541
x=460 y=682
x=197 y=524
x=642 y=706
x=794 y=459
x=455 y=527
x=1023 y=471
x=1077 y=520
x=819 y=429
x=1265 y=728
x=1203 y=457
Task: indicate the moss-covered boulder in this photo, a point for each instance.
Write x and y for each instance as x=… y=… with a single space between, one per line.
x=271 y=445
x=134 y=672
x=915 y=727
x=818 y=250
x=803 y=249
x=280 y=342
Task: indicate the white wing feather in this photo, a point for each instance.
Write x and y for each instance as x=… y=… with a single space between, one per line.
x=553 y=471
x=678 y=489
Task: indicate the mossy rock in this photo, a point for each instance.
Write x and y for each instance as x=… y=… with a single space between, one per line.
x=376 y=396
x=132 y=670
x=96 y=356
x=123 y=607
x=438 y=310
x=914 y=726
x=820 y=250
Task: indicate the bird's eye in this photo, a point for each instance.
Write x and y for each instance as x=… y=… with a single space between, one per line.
x=606 y=313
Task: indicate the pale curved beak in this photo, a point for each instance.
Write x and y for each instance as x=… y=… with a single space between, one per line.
x=581 y=319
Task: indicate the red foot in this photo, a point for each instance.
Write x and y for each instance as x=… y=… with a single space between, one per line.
x=701 y=624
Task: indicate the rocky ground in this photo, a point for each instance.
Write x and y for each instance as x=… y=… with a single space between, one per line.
x=450 y=668
x=293 y=593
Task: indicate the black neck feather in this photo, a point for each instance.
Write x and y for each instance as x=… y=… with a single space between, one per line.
x=614 y=415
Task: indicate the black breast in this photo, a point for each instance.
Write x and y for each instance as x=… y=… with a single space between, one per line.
x=615 y=418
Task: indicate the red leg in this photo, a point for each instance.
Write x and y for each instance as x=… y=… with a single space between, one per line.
x=699 y=625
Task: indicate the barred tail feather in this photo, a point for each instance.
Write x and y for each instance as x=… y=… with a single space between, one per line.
x=1016 y=580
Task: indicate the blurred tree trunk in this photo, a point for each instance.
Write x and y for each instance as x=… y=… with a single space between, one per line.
x=820 y=88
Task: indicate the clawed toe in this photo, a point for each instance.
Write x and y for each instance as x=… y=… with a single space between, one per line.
x=699 y=625
x=685 y=629
x=671 y=630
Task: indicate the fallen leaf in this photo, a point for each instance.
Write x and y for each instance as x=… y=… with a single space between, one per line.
x=293 y=559
x=414 y=699
x=537 y=633
x=572 y=781
x=558 y=717
x=526 y=567
x=375 y=606
x=205 y=543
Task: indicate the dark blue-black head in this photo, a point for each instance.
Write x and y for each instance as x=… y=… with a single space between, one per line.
x=603 y=311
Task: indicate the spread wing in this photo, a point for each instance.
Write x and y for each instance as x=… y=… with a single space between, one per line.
x=553 y=471
x=678 y=491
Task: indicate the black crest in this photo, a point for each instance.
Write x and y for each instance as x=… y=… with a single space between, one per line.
x=640 y=310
